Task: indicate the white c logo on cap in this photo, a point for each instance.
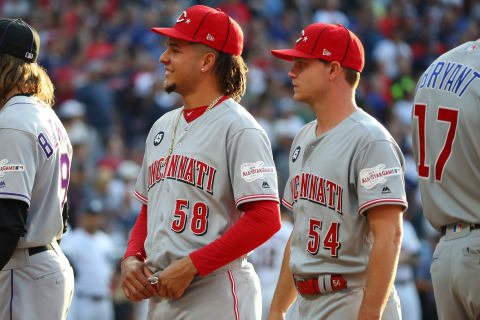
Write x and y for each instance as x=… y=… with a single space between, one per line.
x=182 y=17
x=302 y=35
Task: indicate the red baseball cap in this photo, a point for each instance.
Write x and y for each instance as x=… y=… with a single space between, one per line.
x=328 y=42
x=212 y=27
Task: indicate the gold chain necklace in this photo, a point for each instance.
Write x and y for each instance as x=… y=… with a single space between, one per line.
x=172 y=142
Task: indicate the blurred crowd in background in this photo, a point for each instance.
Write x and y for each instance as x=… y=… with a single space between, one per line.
x=103 y=60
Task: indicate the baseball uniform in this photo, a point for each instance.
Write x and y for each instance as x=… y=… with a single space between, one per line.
x=35 y=159
x=335 y=179
x=220 y=161
x=444 y=132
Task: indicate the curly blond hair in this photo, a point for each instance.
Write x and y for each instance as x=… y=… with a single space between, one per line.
x=24 y=77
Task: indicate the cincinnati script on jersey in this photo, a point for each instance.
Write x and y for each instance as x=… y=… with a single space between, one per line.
x=184 y=169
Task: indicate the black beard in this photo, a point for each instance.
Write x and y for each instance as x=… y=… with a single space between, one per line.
x=171 y=88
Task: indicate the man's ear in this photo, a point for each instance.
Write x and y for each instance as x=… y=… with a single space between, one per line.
x=208 y=61
x=335 y=69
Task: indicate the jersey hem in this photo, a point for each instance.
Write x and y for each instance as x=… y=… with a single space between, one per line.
x=287 y=204
x=18 y=196
x=374 y=203
x=140 y=197
x=256 y=197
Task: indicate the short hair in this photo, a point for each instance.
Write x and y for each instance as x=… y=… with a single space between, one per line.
x=27 y=78
x=232 y=74
x=352 y=76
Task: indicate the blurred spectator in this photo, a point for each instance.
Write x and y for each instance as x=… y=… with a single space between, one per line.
x=267 y=261
x=90 y=252
x=405 y=279
x=423 y=278
x=329 y=13
x=119 y=195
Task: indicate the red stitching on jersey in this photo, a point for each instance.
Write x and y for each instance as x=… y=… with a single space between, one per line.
x=269 y=196
x=139 y=196
x=287 y=204
x=235 y=301
x=369 y=203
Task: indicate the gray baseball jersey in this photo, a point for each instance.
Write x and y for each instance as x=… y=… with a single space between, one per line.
x=445 y=130
x=220 y=161
x=335 y=179
x=34 y=167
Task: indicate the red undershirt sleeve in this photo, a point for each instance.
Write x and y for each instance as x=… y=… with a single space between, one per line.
x=138 y=235
x=260 y=221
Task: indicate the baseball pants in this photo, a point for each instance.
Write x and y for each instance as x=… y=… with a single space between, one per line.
x=38 y=286
x=231 y=292
x=455 y=273
x=343 y=305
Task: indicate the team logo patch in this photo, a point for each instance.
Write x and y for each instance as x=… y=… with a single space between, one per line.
x=182 y=17
x=253 y=171
x=296 y=153
x=302 y=37
x=2 y=184
x=4 y=167
x=158 y=138
x=370 y=177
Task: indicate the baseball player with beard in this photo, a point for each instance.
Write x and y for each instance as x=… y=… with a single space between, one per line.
x=445 y=129
x=36 y=280
x=346 y=189
x=208 y=183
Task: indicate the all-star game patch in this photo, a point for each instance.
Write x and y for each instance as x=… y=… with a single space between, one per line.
x=370 y=177
x=5 y=167
x=256 y=170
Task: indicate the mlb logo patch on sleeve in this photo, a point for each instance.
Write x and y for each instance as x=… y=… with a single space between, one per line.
x=370 y=177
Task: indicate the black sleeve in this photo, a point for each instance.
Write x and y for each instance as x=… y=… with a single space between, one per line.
x=13 y=217
x=65 y=216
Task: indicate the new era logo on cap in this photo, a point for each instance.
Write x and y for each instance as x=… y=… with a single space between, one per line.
x=18 y=39
x=328 y=42
x=209 y=26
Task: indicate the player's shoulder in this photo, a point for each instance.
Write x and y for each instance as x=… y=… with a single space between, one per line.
x=306 y=130
x=166 y=118
x=25 y=113
x=367 y=128
x=464 y=50
x=235 y=118
x=237 y=115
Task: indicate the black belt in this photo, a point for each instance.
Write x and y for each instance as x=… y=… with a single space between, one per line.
x=473 y=226
x=35 y=250
x=92 y=297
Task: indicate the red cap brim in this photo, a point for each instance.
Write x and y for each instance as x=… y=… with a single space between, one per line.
x=289 y=54
x=171 y=32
